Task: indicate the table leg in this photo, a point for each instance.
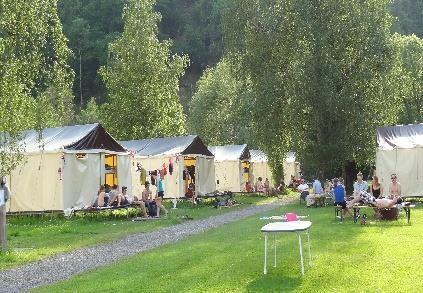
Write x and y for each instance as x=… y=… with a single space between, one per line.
x=407 y=212
x=274 y=243
x=301 y=253
x=265 y=253
x=309 y=249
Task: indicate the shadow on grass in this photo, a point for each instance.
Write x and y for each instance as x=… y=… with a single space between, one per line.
x=274 y=283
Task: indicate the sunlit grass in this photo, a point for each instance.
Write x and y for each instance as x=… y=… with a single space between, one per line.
x=33 y=238
x=347 y=257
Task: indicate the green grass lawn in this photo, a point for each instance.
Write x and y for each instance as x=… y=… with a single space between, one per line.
x=347 y=257
x=33 y=238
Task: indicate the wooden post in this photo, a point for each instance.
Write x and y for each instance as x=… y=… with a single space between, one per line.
x=3 y=234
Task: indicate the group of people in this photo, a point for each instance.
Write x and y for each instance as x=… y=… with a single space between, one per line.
x=149 y=205
x=373 y=195
x=362 y=194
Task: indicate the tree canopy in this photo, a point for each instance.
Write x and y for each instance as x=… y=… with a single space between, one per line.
x=142 y=78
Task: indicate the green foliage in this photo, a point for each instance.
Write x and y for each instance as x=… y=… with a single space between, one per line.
x=409 y=15
x=142 y=79
x=220 y=110
x=320 y=72
x=91 y=113
x=32 y=35
x=410 y=50
x=90 y=26
x=34 y=77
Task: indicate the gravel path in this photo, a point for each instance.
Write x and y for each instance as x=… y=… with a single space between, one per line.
x=64 y=266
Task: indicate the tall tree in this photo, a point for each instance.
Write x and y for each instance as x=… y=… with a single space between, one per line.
x=90 y=26
x=410 y=52
x=321 y=71
x=142 y=78
x=409 y=15
x=220 y=110
x=34 y=78
x=33 y=35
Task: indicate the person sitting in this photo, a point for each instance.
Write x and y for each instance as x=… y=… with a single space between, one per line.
x=101 y=195
x=395 y=188
x=125 y=199
x=259 y=185
x=376 y=188
x=248 y=187
x=360 y=192
x=317 y=192
x=281 y=187
x=303 y=189
x=114 y=196
x=339 y=196
x=266 y=188
x=145 y=203
x=191 y=194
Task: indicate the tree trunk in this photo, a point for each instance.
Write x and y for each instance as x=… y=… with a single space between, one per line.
x=350 y=171
x=80 y=77
x=3 y=235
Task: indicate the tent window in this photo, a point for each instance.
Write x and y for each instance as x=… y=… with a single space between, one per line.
x=81 y=156
x=110 y=169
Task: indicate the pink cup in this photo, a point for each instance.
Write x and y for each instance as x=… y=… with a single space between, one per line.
x=291 y=217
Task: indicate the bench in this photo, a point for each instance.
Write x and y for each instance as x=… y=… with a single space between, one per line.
x=406 y=208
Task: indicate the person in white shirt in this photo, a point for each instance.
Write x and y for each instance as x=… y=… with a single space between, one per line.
x=317 y=186
x=360 y=192
x=303 y=189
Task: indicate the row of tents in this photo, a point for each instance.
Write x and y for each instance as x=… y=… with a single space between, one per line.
x=66 y=167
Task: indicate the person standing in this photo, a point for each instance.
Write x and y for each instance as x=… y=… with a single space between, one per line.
x=4 y=197
x=160 y=194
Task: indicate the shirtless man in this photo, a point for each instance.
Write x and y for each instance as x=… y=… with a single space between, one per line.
x=394 y=187
x=144 y=203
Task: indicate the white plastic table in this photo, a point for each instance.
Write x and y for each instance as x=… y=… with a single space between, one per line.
x=279 y=227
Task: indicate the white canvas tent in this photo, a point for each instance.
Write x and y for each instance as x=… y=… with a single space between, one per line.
x=181 y=151
x=65 y=169
x=260 y=167
x=231 y=175
x=291 y=167
x=400 y=151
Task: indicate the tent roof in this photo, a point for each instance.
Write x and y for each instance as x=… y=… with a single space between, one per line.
x=77 y=137
x=169 y=146
x=258 y=156
x=400 y=136
x=230 y=152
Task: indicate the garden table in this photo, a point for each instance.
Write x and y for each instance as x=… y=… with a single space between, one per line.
x=280 y=227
